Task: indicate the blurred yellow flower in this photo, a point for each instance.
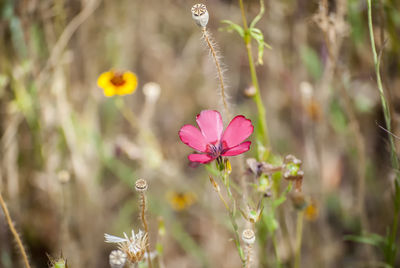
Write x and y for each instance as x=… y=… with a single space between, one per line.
x=117 y=83
x=311 y=212
x=181 y=200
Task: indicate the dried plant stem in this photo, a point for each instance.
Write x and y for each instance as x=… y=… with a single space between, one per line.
x=299 y=236
x=145 y=226
x=207 y=38
x=257 y=96
x=14 y=232
x=390 y=251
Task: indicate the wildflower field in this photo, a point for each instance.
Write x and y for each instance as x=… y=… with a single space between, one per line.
x=155 y=134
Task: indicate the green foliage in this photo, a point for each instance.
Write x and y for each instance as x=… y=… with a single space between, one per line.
x=367 y=238
x=252 y=32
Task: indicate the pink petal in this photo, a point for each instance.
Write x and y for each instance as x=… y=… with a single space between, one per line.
x=201 y=158
x=239 y=149
x=192 y=137
x=211 y=125
x=239 y=129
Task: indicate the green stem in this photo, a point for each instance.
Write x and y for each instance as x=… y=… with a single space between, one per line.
x=257 y=96
x=275 y=243
x=299 y=236
x=232 y=212
x=390 y=252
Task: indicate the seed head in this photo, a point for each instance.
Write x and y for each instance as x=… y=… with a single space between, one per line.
x=141 y=185
x=117 y=259
x=248 y=236
x=200 y=14
x=134 y=247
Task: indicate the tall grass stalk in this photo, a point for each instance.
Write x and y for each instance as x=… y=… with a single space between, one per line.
x=391 y=248
x=14 y=232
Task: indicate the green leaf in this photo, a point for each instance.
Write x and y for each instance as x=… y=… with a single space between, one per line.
x=233 y=27
x=259 y=37
x=368 y=238
x=259 y=15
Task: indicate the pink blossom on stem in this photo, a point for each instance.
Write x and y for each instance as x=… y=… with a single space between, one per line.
x=212 y=141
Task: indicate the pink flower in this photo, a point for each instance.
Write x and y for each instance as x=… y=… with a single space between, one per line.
x=212 y=141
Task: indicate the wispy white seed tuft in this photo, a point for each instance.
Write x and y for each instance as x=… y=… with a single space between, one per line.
x=200 y=14
x=117 y=259
x=248 y=236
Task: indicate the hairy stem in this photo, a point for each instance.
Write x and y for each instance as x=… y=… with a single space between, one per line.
x=145 y=226
x=14 y=232
x=219 y=70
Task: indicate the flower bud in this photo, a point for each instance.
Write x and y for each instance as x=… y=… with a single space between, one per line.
x=200 y=15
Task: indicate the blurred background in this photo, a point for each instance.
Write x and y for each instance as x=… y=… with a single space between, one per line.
x=69 y=158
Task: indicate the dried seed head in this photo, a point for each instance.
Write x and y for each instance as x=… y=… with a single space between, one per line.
x=117 y=259
x=141 y=185
x=200 y=14
x=299 y=200
x=134 y=247
x=248 y=236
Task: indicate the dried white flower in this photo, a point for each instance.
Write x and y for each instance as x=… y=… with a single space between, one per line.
x=200 y=14
x=134 y=247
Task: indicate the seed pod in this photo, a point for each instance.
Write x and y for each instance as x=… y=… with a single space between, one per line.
x=117 y=259
x=248 y=236
x=200 y=15
x=141 y=185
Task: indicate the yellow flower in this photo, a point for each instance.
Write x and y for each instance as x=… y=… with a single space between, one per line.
x=117 y=83
x=312 y=211
x=181 y=200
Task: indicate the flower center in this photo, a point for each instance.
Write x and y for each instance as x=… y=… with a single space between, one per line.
x=215 y=150
x=117 y=79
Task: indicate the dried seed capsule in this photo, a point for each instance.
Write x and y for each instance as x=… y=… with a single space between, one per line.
x=117 y=259
x=248 y=236
x=141 y=185
x=200 y=14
